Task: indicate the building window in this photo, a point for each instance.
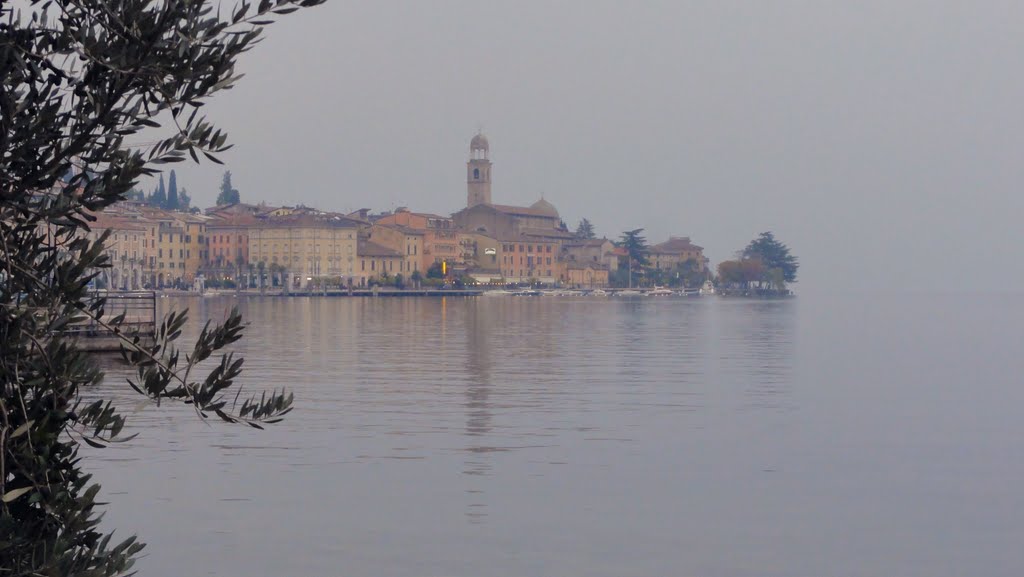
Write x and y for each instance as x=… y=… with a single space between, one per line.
x=476 y=174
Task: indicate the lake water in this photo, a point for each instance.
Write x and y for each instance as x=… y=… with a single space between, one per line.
x=498 y=436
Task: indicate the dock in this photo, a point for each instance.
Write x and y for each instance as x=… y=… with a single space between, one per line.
x=139 y=309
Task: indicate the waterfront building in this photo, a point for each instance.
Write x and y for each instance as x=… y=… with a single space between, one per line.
x=441 y=241
x=228 y=242
x=527 y=239
x=376 y=262
x=304 y=246
x=176 y=247
x=586 y=274
x=408 y=242
x=126 y=249
x=483 y=256
x=672 y=253
x=597 y=250
x=528 y=259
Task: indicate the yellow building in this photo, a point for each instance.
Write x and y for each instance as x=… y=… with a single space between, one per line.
x=586 y=274
x=406 y=241
x=176 y=248
x=126 y=248
x=304 y=247
x=674 y=252
x=377 y=262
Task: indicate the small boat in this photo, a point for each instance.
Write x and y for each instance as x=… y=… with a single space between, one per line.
x=527 y=293
x=660 y=292
x=498 y=293
x=707 y=289
x=597 y=293
x=629 y=293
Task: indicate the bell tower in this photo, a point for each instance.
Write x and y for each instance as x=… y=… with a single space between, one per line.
x=478 y=172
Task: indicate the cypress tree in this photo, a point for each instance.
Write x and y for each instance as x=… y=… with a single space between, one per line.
x=172 y=192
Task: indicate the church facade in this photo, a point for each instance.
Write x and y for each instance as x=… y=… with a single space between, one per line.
x=523 y=243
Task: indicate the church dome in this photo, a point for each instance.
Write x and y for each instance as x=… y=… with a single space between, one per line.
x=545 y=207
x=479 y=142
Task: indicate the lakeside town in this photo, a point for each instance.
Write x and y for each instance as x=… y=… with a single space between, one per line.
x=261 y=247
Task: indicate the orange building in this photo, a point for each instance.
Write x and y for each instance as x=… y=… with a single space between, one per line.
x=529 y=258
x=440 y=236
x=228 y=239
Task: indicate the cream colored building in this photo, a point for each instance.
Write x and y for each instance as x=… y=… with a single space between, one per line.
x=304 y=247
x=126 y=249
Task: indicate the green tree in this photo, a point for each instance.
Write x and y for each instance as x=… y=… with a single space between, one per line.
x=585 y=230
x=184 y=200
x=172 y=192
x=636 y=245
x=636 y=252
x=78 y=88
x=741 y=272
x=228 y=194
x=435 y=271
x=691 y=274
x=773 y=255
x=159 y=197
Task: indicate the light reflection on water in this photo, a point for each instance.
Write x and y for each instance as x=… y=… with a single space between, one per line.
x=515 y=436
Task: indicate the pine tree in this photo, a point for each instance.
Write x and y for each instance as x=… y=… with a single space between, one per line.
x=228 y=194
x=585 y=230
x=172 y=192
x=774 y=254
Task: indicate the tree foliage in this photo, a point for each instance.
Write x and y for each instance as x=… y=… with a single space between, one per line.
x=741 y=272
x=636 y=245
x=585 y=230
x=773 y=255
x=172 y=192
x=435 y=271
x=159 y=197
x=81 y=80
x=228 y=194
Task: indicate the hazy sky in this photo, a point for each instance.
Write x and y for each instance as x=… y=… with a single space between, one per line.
x=883 y=141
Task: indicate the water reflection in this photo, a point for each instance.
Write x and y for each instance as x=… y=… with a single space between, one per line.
x=441 y=422
x=478 y=409
x=756 y=347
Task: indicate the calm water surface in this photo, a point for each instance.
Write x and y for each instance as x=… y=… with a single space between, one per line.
x=500 y=436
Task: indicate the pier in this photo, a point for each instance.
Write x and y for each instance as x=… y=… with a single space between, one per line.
x=139 y=310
